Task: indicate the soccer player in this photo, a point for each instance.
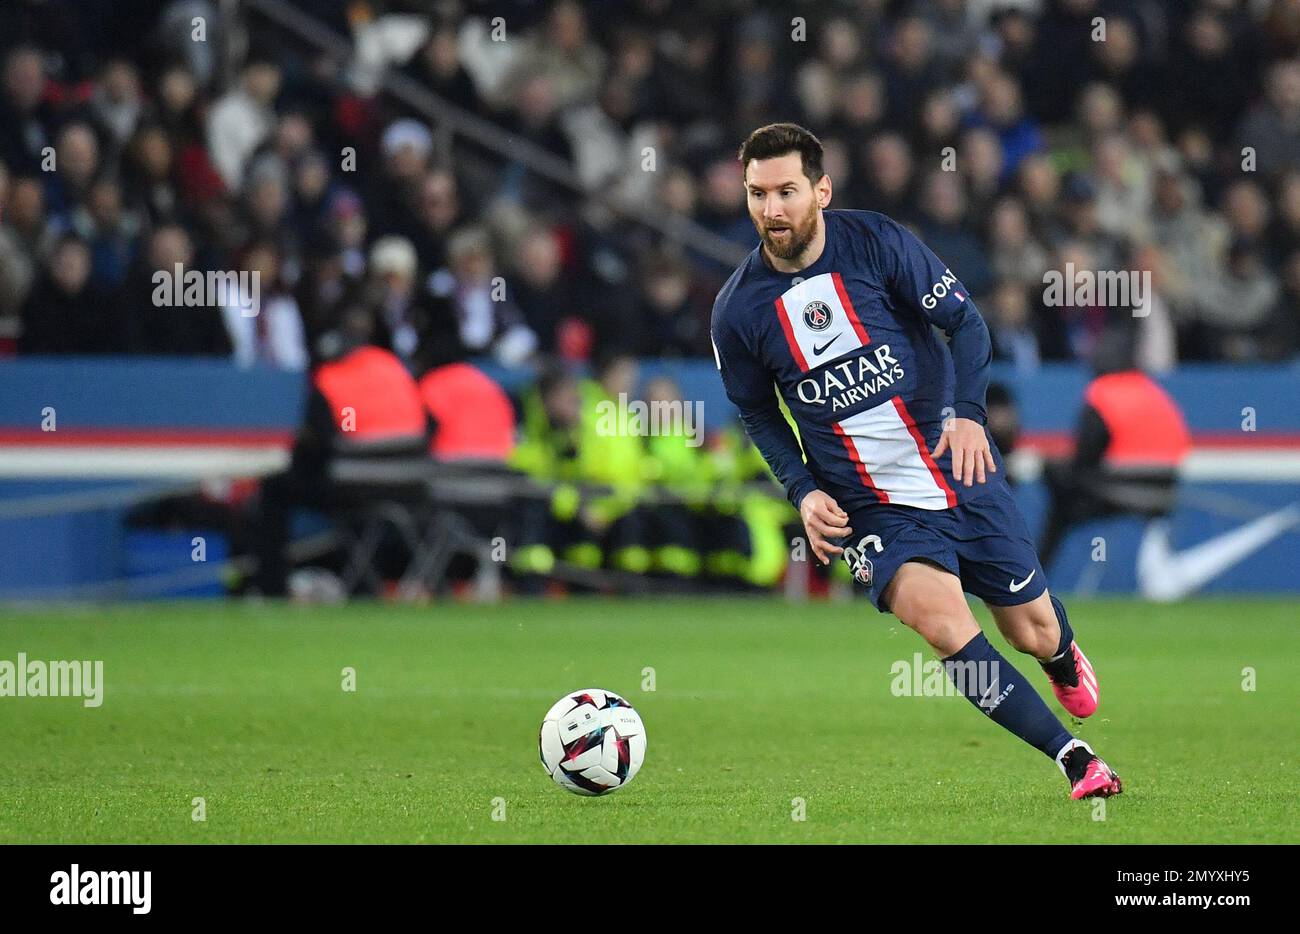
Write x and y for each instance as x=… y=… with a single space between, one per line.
x=836 y=308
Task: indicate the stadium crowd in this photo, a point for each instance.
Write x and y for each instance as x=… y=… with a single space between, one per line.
x=1173 y=146
x=1017 y=137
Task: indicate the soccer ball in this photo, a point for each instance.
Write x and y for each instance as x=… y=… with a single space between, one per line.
x=592 y=742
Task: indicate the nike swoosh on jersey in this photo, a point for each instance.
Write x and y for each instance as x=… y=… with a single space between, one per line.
x=817 y=351
x=1017 y=587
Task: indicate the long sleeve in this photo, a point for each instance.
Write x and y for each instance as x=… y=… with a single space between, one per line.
x=752 y=391
x=920 y=281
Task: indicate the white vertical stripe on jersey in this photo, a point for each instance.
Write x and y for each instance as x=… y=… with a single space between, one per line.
x=891 y=457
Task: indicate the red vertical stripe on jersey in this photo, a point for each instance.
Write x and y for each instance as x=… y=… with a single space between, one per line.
x=789 y=335
x=921 y=449
x=857 y=462
x=848 y=309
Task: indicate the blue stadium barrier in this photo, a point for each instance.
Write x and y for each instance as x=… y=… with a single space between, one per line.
x=101 y=402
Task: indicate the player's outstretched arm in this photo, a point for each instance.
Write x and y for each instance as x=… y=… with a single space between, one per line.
x=823 y=519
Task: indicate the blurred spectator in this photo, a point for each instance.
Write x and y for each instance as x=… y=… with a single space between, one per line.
x=723 y=205
x=535 y=117
x=1120 y=63
x=1010 y=326
x=488 y=321
x=981 y=167
x=675 y=324
x=1208 y=76
x=1156 y=338
x=759 y=85
x=1239 y=320
x=1272 y=128
x=242 y=119
x=1040 y=185
x=392 y=287
x=148 y=174
x=945 y=231
x=940 y=122
x=910 y=69
x=58 y=317
x=1123 y=188
x=1284 y=342
x=541 y=290
x=1017 y=253
x=889 y=177
x=17 y=261
x=1284 y=233
x=1001 y=110
x=610 y=142
x=859 y=107
x=111 y=231
x=151 y=326
x=117 y=102
x=406 y=148
x=273 y=335
x=562 y=54
x=437 y=66
x=77 y=162
x=24 y=114
x=1193 y=241
x=1080 y=222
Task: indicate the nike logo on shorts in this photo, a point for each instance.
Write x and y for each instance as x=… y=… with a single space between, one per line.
x=1017 y=587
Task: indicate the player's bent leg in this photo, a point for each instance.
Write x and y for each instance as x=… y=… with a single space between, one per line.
x=929 y=599
x=1030 y=627
x=1041 y=628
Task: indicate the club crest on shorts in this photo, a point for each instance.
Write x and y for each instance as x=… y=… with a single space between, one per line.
x=858 y=562
x=817 y=315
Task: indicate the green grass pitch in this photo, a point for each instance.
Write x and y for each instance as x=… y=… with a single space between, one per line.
x=756 y=703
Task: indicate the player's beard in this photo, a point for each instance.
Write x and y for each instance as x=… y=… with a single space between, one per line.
x=791 y=246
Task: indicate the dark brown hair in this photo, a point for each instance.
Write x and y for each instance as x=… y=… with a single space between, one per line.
x=781 y=139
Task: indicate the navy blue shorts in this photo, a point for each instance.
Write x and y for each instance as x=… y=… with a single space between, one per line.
x=984 y=542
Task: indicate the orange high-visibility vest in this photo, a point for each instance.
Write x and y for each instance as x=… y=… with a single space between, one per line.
x=378 y=389
x=1146 y=427
x=474 y=415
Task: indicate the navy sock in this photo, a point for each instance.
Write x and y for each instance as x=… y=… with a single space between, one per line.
x=1067 y=634
x=1060 y=667
x=994 y=686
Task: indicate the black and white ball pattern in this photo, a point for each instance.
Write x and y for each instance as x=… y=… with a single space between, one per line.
x=592 y=742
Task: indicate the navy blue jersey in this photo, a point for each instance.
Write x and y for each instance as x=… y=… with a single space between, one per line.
x=850 y=344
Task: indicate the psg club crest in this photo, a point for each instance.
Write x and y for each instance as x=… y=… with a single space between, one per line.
x=858 y=562
x=817 y=315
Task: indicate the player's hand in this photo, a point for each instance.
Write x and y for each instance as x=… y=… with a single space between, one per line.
x=970 y=450
x=822 y=519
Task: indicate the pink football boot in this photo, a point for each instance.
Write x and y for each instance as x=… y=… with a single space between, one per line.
x=1089 y=777
x=1080 y=698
